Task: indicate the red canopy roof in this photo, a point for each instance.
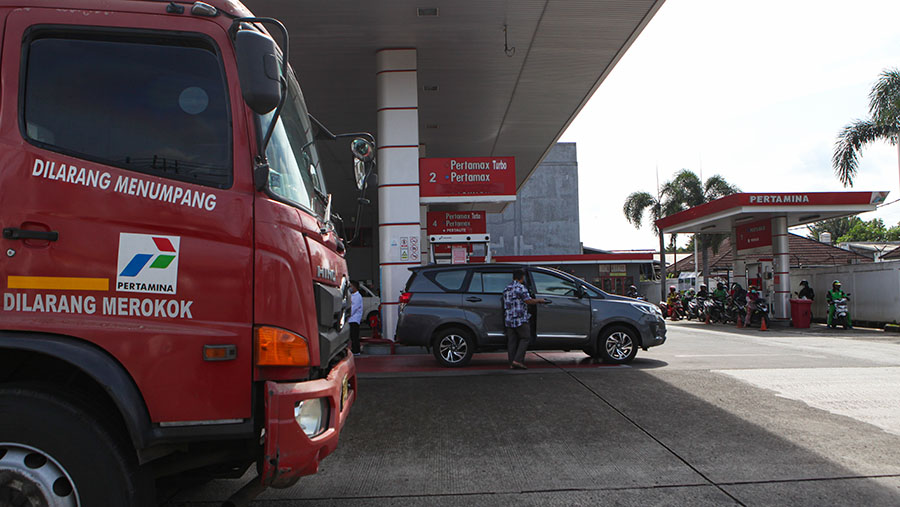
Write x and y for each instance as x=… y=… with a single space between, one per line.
x=800 y=208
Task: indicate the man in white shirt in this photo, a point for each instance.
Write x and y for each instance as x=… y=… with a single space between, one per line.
x=356 y=311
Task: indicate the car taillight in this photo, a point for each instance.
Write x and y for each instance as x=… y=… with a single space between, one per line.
x=404 y=299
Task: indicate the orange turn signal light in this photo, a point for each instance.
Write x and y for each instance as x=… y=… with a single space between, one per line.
x=278 y=347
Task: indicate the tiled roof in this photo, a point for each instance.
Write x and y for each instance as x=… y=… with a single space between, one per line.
x=804 y=252
x=892 y=255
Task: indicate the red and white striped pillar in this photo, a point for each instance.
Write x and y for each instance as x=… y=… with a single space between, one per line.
x=738 y=263
x=782 y=268
x=398 y=176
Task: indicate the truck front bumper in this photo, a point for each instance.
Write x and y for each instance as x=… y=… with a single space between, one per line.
x=288 y=452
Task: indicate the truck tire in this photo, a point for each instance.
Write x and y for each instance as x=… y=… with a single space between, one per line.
x=55 y=451
x=618 y=345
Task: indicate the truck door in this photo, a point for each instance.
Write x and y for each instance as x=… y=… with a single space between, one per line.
x=129 y=227
x=484 y=304
x=566 y=321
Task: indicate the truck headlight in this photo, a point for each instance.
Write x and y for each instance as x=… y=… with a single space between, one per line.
x=312 y=416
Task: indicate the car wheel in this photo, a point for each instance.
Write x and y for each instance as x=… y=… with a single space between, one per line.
x=56 y=452
x=453 y=347
x=618 y=345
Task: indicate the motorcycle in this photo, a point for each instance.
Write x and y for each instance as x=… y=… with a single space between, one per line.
x=841 y=313
x=760 y=313
x=715 y=309
x=674 y=311
x=694 y=308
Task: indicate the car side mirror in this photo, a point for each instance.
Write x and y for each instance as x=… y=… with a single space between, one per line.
x=259 y=70
x=581 y=292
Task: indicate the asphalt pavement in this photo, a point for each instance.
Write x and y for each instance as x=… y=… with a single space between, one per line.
x=716 y=416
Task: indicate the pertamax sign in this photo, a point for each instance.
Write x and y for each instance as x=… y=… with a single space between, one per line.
x=467 y=179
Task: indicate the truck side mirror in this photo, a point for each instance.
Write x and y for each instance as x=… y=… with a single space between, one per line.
x=259 y=70
x=363 y=155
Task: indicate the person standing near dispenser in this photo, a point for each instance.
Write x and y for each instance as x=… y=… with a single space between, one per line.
x=356 y=311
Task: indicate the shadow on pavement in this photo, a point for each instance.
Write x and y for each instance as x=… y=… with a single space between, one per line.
x=623 y=436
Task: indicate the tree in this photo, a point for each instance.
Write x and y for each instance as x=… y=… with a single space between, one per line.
x=872 y=230
x=661 y=205
x=836 y=226
x=684 y=191
x=688 y=191
x=884 y=125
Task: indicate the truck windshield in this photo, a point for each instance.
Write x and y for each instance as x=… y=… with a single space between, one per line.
x=295 y=173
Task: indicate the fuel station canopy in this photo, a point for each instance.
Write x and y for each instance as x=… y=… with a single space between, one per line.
x=721 y=215
x=758 y=224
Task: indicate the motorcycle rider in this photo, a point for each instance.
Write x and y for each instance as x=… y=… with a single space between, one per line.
x=832 y=296
x=737 y=292
x=632 y=292
x=720 y=293
x=703 y=293
x=671 y=301
x=806 y=291
x=752 y=296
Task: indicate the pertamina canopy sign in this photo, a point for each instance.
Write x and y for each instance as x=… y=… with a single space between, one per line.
x=467 y=179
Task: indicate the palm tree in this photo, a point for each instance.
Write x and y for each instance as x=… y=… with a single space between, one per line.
x=884 y=125
x=686 y=191
x=661 y=205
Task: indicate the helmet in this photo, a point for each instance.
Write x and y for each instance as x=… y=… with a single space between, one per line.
x=752 y=287
x=702 y=285
x=836 y=283
x=632 y=287
x=671 y=289
x=720 y=285
x=804 y=282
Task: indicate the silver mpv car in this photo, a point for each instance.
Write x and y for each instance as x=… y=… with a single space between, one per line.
x=458 y=310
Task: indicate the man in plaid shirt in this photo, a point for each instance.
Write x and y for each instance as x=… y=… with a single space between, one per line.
x=518 y=331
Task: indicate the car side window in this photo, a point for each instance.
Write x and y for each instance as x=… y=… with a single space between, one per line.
x=552 y=285
x=495 y=282
x=450 y=280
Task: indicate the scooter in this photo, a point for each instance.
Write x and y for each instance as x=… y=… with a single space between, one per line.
x=694 y=308
x=760 y=313
x=715 y=309
x=841 y=313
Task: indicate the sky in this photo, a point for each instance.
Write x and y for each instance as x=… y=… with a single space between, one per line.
x=755 y=91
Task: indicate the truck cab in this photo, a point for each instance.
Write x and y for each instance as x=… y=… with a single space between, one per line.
x=172 y=284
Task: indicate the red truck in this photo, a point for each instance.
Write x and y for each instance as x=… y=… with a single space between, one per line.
x=174 y=294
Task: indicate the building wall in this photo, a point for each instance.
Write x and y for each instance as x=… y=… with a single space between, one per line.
x=874 y=289
x=544 y=218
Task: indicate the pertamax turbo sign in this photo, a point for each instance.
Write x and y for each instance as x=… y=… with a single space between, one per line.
x=456 y=222
x=467 y=179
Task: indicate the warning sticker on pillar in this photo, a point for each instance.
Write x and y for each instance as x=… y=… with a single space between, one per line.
x=404 y=249
x=468 y=179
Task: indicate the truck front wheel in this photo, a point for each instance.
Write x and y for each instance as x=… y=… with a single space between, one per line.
x=54 y=452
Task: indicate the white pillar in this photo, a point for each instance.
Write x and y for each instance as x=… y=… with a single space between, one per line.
x=398 y=175
x=738 y=264
x=782 y=268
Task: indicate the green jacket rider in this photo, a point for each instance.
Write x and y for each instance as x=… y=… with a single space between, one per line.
x=833 y=295
x=720 y=293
